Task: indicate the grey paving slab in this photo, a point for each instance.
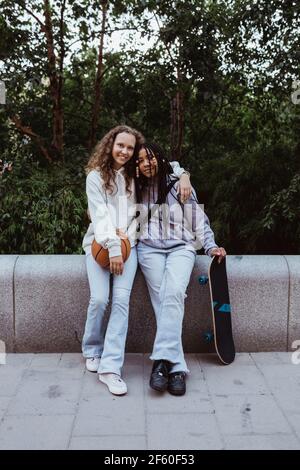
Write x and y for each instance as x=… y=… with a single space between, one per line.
x=287 y=358
x=110 y=415
x=46 y=393
x=35 y=432
x=91 y=387
x=183 y=431
x=268 y=358
x=114 y=442
x=4 y=401
x=231 y=380
x=42 y=372
x=208 y=360
x=262 y=442
x=194 y=366
x=45 y=360
x=135 y=384
x=51 y=401
x=10 y=378
x=284 y=381
x=250 y=414
x=19 y=360
x=294 y=420
x=71 y=360
x=196 y=401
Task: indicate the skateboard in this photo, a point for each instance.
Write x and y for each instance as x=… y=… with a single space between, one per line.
x=221 y=310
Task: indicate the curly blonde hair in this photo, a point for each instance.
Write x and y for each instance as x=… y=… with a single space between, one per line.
x=101 y=159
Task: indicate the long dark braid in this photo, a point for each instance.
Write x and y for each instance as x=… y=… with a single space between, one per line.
x=163 y=174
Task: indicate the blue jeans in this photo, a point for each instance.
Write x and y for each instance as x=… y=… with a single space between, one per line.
x=167 y=274
x=111 y=347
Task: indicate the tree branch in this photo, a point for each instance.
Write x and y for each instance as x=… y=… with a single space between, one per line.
x=33 y=15
x=167 y=48
x=26 y=130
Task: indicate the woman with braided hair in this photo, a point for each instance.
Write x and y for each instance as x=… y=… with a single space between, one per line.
x=166 y=254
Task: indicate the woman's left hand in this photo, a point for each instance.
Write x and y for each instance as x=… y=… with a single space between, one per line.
x=184 y=187
x=220 y=252
x=121 y=234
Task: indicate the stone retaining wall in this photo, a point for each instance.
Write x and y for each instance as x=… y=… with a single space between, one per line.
x=43 y=302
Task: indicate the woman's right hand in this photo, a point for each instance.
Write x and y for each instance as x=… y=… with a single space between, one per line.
x=116 y=265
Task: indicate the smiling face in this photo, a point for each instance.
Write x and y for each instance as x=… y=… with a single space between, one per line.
x=123 y=149
x=148 y=164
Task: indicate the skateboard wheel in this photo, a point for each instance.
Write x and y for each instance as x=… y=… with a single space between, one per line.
x=208 y=336
x=203 y=280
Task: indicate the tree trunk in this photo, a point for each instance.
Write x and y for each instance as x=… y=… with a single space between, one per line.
x=177 y=122
x=55 y=151
x=98 y=80
x=57 y=143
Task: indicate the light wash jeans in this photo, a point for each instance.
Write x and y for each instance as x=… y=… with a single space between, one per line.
x=110 y=348
x=167 y=275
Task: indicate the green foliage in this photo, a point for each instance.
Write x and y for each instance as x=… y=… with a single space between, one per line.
x=281 y=217
x=42 y=210
x=237 y=60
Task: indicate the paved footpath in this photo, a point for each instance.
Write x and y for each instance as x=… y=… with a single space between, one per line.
x=49 y=401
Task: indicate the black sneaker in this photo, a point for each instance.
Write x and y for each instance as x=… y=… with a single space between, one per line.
x=176 y=383
x=159 y=375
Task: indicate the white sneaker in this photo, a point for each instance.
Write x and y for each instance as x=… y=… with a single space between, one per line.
x=92 y=363
x=115 y=384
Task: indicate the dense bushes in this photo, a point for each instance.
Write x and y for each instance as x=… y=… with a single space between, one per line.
x=42 y=210
x=215 y=82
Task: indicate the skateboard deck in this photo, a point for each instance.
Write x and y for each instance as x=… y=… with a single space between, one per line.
x=221 y=311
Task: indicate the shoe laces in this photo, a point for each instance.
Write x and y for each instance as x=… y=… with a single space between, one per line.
x=93 y=358
x=178 y=376
x=116 y=379
x=161 y=369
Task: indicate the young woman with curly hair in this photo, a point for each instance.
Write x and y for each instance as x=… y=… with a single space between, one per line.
x=108 y=186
